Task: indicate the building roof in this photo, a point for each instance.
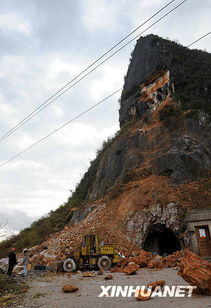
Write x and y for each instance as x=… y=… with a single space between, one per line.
x=197 y=215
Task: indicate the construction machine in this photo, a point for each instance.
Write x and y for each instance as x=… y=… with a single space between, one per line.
x=91 y=254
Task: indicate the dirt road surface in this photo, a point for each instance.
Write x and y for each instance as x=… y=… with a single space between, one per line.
x=47 y=291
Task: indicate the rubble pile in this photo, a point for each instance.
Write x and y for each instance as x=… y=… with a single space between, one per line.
x=61 y=244
x=173 y=260
x=149 y=260
x=142 y=259
x=196 y=271
x=131 y=269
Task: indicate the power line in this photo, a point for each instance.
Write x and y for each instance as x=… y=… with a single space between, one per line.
x=199 y=39
x=73 y=119
x=55 y=96
x=78 y=116
x=62 y=126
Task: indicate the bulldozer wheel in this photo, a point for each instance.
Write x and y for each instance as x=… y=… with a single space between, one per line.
x=104 y=263
x=69 y=265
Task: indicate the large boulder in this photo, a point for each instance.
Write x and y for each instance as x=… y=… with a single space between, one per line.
x=196 y=271
x=131 y=269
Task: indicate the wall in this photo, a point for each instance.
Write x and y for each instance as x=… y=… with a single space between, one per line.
x=197 y=218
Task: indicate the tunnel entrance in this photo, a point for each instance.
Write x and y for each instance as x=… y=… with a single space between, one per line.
x=161 y=240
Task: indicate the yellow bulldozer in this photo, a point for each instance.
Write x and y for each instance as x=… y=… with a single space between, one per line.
x=91 y=254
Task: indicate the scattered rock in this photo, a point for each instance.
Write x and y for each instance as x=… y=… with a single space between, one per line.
x=142 y=259
x=116 y=269
x=196 y=271
x=69 y=289
x=109 y=277
x=143 y=295
x=153 y=285
x=88 y=274
x=100 y=272
x=131 y=269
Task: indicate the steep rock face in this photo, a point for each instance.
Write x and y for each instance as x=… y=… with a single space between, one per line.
x=189 y=72
x=182 y=153
x=164 y=115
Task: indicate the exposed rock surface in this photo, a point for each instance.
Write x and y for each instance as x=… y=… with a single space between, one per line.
x=174 y=145
x=167 y=96
x=153 y=54
x=142 y=222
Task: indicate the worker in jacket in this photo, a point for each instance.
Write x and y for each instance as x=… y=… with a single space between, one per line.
x=12 y=261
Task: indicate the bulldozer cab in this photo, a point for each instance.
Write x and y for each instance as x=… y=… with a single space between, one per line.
x=90 y=245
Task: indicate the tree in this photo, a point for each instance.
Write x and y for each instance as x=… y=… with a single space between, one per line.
x=3 y=232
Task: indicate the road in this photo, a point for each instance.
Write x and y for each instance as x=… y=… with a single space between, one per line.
x=46 y=291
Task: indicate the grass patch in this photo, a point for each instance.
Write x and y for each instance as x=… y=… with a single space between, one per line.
x=38 y=295
x=11 y=291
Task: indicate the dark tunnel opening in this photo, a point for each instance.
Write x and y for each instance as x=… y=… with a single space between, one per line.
x=161 y=240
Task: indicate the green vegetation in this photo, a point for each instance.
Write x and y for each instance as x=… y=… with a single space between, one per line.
x=54 y=221
x=39 y=230
x=190 y=70
x=57 y=219
x=132 y=91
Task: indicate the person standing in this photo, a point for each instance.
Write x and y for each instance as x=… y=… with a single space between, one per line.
x=25 y=262
x=12 y=261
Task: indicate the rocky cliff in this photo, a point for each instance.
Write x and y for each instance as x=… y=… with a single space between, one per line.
x=188 y=72
x=164 y=119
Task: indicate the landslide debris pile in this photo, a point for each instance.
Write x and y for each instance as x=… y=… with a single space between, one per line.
x=192 y=268
x=130 y=265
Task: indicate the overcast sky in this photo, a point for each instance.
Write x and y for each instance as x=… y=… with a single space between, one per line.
x=43 y=45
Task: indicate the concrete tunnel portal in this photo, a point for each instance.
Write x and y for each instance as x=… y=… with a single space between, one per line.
x=161 y=240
